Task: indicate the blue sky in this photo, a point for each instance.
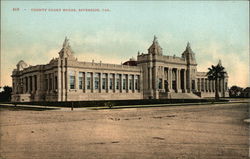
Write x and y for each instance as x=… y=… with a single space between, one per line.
x=216 y=30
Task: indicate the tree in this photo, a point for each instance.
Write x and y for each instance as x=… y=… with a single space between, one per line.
x=235 y=91
x=5 y=96
x=216 y=73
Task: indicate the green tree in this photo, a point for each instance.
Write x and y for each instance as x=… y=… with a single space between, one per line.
x=235 y=91
x=216 y=73
x=5 y=96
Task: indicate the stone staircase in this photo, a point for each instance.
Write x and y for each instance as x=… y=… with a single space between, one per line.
x=174 y=95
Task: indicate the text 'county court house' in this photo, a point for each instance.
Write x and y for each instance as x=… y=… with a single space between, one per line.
x=151 y=76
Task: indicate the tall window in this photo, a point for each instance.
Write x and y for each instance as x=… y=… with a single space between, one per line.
x=136 y=82
x=202 y=84
x=111 y=81
x=46 y=84
x=35 y=82
x=130 y=82
x=206 y=86
x=124 y=82
x=160 y=83
x=56 y=82
x=193 y=84
x=30 y=83
x=72 y=79
x=199 y=82
x=104 y=81
x=80 y=80
x=117 y=81
x=97 y=80
x=88 y=80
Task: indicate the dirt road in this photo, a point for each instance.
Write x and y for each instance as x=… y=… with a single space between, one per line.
x=187 y=132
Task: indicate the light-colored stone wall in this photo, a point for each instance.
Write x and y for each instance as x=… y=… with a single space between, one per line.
x=156 y=76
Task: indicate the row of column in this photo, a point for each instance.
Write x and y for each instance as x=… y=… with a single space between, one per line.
x=26 y=84
x=206 y=85
x=176 y=78
x=93 y=82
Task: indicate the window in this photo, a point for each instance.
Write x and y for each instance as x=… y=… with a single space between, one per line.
x=72 y=79
x=46 y=84
x=97 y=80
x=80 y=80
x=136 y=83
x=124 y=82
x=193 y=84
x=88 y=80
x=198 y=84
x=117 y=81
x=104 y=81
x=72 y=82
x=202 y=84
x=50 y=83
x=111 y=81
x=130 y=82
x=35 y=82
x=56 y=82
x=30 y=83
x=160 y=83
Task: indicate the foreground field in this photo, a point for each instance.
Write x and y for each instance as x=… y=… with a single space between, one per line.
x=205 y=132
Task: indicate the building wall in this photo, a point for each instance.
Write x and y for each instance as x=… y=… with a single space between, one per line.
x=155 y=76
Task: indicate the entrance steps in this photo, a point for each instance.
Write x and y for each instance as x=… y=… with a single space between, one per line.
x=174 y=95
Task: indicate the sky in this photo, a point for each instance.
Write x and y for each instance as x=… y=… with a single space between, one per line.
x=216 y=30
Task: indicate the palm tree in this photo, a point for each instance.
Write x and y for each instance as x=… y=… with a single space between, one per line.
x=216 y=73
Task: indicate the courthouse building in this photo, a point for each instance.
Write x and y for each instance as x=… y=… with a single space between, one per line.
x=151 y=76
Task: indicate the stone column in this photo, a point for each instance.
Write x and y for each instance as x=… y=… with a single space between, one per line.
x=170 y=79
x=222 y=88
x=127 y=82
x=208 y=86
x=206 y=82
x=133 y=83
x=47 y=83
x=163 y=80
x=38 y=79
x=92 y=82
x=76 y=80
x=179 y=74
x=155 y=78
x=24 y=85
x=63 y=75
x=107 y=82
x=204 y=86
x=85 y=82
x=212 y=82
x=178 y=80
x=184 y=81
x=200 y=84
x=120 y=76
x=150 y=78
x=33 y=84
x=114 y=82
x=140 y=83
x=100 y=82
x=58 y=82
x=28 y=84
x=211 y=85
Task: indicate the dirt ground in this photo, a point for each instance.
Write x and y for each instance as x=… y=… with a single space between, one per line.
x=183 y=132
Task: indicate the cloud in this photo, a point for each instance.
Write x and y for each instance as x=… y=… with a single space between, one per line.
x=115 y=47
x=235 y=63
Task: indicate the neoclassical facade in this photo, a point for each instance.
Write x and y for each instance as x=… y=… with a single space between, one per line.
x=151 y=76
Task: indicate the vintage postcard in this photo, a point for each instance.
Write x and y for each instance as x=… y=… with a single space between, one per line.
x=124 y=79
